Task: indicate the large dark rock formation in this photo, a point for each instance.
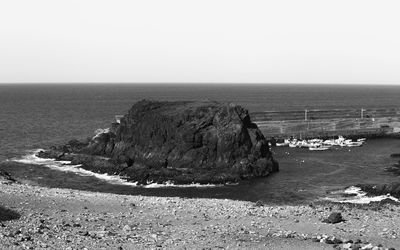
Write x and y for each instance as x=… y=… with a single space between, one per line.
x=205 y=142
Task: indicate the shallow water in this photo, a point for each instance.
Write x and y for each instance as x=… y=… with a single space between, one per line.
x=39 y=116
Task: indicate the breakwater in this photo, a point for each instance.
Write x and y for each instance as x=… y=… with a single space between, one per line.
x=326 y=123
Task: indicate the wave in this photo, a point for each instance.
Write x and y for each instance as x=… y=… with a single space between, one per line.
x=171 y=184
x=356 y=196
x=66 y=166
x=100 y=131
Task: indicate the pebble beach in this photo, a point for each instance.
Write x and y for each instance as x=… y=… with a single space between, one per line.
x=47 y=218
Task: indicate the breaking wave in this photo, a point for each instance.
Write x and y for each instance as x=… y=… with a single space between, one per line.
x=171 y=184
x=100 y=131
x=66 y=166
x=356 y=196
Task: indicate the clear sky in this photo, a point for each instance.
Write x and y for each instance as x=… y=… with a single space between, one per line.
x=279 y=41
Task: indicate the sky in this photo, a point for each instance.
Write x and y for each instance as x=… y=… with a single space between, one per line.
x=203 y=41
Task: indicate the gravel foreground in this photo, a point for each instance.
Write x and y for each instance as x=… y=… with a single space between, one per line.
x=42 y=218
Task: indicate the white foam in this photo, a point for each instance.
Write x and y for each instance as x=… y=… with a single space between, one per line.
x=353 y=190
x=100 y=131
x=360 y=197
x=66 y=166
x=171 y=184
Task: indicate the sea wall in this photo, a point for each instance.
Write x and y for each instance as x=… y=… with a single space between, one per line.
x=325 y=123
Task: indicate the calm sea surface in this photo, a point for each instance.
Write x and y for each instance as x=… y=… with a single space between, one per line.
x=39 y=116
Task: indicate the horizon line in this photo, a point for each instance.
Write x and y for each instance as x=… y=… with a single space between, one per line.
x=198 y=83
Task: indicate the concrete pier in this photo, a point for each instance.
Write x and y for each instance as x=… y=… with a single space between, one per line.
x=325 y=123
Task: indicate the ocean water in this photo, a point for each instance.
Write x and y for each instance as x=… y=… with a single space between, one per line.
x=39 y=116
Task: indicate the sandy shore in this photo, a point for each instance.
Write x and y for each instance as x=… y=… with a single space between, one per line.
x=44 y=218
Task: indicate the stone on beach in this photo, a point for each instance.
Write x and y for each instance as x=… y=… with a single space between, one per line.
x=333 y=218
x=126 y=228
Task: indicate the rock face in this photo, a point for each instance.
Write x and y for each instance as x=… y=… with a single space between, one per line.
x=205 y=142
x=381 y=189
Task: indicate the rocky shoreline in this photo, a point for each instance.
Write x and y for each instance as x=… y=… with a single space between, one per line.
x=44 y=218
x=381 y=189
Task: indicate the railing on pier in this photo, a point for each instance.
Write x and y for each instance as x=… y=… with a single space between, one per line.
x=315 y=114
x=327 y=122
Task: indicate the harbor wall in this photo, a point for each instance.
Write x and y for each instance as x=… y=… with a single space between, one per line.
x=327 y=123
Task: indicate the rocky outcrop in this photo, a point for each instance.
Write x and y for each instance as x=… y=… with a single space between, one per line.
x=381 y=189
x=6 y=178
x=202 y=142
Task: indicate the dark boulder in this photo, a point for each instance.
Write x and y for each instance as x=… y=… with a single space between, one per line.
x=7 y=214
x=334 y=218
x=205 y=142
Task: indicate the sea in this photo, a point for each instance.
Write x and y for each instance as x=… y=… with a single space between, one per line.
x=38 y=116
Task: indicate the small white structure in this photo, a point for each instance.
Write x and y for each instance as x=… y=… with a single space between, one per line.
x=118 y=118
